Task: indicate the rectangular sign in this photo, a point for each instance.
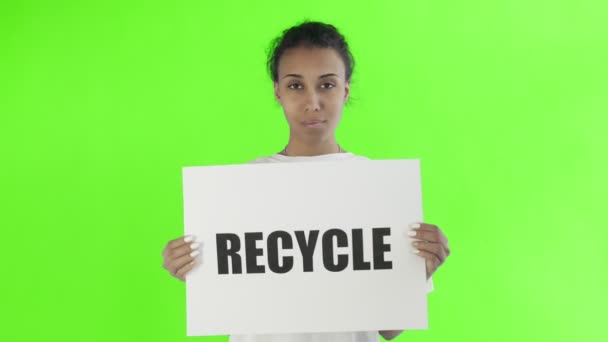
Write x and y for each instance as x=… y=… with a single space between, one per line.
x=304 y=247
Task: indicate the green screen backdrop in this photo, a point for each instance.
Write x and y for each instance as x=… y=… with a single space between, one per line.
x=103 y=102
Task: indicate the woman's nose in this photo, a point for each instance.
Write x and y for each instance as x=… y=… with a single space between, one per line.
x=313 y=102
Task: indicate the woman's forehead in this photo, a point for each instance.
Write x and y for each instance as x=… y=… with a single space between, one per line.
x=311 y=62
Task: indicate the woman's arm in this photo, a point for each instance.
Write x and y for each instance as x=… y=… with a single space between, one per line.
x=390 y=334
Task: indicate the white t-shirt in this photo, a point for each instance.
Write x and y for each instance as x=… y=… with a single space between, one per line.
x=354 y=336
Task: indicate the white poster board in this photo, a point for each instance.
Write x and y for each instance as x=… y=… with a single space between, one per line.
x=250 y=212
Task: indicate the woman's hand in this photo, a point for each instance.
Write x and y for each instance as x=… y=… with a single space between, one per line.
x=431 y=244
x=178 y=256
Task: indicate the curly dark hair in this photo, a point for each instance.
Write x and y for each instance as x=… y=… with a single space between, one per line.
x=309 y=34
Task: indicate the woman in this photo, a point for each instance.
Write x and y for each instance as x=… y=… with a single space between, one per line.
x=311 y=68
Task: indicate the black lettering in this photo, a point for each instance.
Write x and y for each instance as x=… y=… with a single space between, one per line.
x=358 y=263
x=307 y=249
x=273 y=251
x=328 y=250
x=380 y=247
x=224 y=252
x=252 y=252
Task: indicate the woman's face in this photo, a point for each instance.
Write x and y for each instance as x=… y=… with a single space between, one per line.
x=312 y=89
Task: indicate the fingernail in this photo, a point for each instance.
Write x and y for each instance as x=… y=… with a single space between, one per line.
x=195 y=245
x=411 y=233
x=415 y=243
x=415 y=251
x=415 y=225
x=193 y=254
x=189 y=238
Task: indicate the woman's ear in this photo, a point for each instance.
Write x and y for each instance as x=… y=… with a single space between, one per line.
x=346 y=91
x=276 y=92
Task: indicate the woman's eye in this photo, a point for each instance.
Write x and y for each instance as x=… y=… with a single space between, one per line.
x=324 y=86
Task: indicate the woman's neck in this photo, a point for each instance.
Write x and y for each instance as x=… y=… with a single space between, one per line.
x=297 y=148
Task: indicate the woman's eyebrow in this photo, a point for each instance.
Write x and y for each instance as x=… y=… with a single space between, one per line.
x=300 y=76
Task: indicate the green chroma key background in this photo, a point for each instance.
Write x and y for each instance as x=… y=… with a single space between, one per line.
x=103 y=103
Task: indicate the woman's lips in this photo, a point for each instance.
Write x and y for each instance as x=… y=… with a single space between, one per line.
x=314 y=123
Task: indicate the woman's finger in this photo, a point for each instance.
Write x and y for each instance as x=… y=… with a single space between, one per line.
x=182 y=250
x=181 y=273
x=432 y=229
x=425 y=235
x=434 y=248
x=176 y=243
x=176 y=264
